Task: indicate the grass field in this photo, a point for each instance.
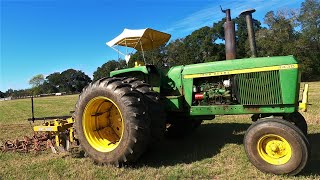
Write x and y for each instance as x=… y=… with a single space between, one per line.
x=214 y=151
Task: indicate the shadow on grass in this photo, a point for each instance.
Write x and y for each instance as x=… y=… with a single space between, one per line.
x=313 y=166
x=205 y=142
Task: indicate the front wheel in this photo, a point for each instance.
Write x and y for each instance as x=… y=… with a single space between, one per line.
x=297 y=119
x=276 y=146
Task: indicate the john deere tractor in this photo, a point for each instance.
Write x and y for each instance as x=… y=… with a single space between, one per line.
x=118 y=117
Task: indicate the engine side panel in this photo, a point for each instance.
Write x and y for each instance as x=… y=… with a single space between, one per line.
x=263 y=85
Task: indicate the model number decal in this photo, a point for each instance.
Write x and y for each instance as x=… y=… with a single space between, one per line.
x=215 y=73
x=289 y=66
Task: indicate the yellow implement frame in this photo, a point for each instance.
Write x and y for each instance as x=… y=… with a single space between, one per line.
x=57 y=127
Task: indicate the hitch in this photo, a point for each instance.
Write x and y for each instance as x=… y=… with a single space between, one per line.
x=303 y=105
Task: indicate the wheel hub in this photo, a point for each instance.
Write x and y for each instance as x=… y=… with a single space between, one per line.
x=274 y=149
x=102 y=124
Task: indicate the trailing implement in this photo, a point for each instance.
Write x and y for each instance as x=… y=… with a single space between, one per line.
x=56 y=133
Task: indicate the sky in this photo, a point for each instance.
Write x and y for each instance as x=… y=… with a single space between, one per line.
x=47 y=36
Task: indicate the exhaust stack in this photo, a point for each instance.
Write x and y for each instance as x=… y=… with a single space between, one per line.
x=251 y=36
x=229 y=33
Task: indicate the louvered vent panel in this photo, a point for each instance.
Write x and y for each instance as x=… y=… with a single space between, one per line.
x=259 y=88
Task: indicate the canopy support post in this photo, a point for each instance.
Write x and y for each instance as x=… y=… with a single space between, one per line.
x=117 y=50
x=143 y=54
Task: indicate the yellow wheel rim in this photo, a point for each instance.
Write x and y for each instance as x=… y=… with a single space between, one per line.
x=102 y=124
x=274 y=149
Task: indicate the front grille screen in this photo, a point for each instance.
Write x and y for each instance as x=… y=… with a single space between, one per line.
x=258 y=88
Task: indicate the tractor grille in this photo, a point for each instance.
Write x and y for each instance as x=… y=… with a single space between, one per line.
x=258 y=88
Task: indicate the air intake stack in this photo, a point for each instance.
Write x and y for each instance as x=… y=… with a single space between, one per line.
x=251 y=37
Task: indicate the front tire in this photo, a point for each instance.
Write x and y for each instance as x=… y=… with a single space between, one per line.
x=111 y=122
x=276 y=146
x=297 y=119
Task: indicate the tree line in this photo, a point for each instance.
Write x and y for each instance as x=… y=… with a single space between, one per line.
x=69 y=81
x=286 y=32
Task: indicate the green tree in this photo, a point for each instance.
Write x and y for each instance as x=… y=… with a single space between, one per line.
x=2 y=94
x=55 y=79
x=155 y=56
x=53 y=83
x=177 y=53
x=36 y=80
x=309 y=39
x=279 y=38
x=47 y=87
x=9 y=92
x=73 y=81
x=106 y=68
x=310 y=21
x=200 y=46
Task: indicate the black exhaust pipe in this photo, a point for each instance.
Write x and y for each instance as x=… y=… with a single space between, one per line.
x=229 y=34
x=251 y=36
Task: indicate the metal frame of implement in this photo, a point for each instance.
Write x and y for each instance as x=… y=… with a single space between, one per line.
x=57 y=126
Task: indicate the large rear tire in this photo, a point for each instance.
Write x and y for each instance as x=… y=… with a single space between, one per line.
x=155 y=109
x=276 y=146
x=111 y=122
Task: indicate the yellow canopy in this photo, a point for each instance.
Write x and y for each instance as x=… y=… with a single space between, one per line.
x=141 y=39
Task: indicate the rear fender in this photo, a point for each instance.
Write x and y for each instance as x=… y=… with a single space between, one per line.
x=148 y=73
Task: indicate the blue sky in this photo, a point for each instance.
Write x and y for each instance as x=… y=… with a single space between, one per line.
x=46 y=36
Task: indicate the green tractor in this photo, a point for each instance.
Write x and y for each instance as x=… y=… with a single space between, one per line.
x=117 y=118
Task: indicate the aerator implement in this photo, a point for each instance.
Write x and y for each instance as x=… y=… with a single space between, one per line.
x=56 y=133
x=118 y=117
